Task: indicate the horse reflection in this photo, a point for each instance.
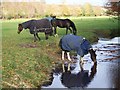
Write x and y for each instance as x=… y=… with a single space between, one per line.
x=70 y=75
x=79 y=79
x=54 y=81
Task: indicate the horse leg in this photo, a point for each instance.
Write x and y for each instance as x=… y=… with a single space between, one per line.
x=66 y=31
x=63 y=53
x=46 y=36
x=55 y=31
x=35 y=38
x=70 y=30
x=68 y=66
x=38 y=36
x=81 y=66
x=81 y=60
x=63 y=67
x=68 y=56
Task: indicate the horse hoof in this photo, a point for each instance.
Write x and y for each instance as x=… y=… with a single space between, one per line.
x=39 y=39
x=46 y=38
x=35 y=40
x=56 y=35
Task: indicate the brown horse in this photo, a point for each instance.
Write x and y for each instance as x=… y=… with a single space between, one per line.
x=35 y=26
x=64 y=23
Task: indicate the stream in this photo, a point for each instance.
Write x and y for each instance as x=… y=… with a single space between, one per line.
x=104 y=74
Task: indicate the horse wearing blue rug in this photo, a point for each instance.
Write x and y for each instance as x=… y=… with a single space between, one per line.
x=78 y=44
x=36 y=26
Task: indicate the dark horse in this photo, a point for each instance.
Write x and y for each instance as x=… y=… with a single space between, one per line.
x=64 y=23
x=35 y=26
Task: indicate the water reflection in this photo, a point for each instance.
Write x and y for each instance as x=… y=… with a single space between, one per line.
x=70 y=75
x=80 y=78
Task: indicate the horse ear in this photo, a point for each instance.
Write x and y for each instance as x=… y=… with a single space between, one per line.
x=19 y=24
x=54 y=16
x=94 y=50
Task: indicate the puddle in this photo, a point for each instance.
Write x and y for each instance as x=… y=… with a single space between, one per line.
x=104 y=74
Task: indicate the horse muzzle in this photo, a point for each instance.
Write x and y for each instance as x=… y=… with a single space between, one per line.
x=18 y=32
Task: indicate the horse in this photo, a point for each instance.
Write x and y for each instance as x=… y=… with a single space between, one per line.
x=36 y=26
x=63 y=23
x=77 y=43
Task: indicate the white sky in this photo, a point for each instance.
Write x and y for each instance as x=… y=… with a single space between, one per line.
x=80 y=2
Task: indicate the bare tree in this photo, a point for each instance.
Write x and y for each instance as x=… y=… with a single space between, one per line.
x=113 y=6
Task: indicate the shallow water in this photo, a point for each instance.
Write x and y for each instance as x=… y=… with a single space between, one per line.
x=104 y=74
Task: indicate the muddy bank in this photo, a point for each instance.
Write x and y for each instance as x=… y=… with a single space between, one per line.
x=107 y=33
x=103 y=34
x=104 y=74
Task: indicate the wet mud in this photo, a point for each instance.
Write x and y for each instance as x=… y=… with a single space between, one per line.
x=103 y=74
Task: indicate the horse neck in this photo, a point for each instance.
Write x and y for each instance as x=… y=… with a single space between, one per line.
x=26 y=24
x=73 y=27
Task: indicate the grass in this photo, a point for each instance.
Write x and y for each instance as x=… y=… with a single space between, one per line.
x=26 y=63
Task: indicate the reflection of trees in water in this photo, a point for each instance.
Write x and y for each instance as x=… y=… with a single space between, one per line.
x=69 y=79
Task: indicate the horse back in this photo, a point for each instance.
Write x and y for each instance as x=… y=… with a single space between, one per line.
x=42 y=25
x=63 y=23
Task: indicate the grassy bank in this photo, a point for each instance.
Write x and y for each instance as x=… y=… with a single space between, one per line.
x=26 y=63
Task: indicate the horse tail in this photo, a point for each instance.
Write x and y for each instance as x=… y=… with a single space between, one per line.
x=73 y=27
x=60 y=43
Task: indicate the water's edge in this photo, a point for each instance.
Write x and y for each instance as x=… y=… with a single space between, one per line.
x=104 y=74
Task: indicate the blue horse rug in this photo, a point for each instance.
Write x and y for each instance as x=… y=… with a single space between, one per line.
x=76 y=43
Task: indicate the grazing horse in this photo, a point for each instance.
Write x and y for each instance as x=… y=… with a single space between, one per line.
x=63 y=23
x=78 y=44
x=35 y=26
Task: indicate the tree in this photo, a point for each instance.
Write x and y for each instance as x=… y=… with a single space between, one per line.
x=65 y=10
x=88 y=9
x=98 y=10
x=113 y=6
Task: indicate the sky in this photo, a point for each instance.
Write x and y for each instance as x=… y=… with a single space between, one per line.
x=78 y=2
x=81 y=2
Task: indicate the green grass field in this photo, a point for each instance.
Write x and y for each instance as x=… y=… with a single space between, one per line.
x=26 y=63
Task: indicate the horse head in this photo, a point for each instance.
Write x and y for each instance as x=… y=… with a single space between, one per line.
x=53 y=16
x=93 y=55
x=20 y=28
